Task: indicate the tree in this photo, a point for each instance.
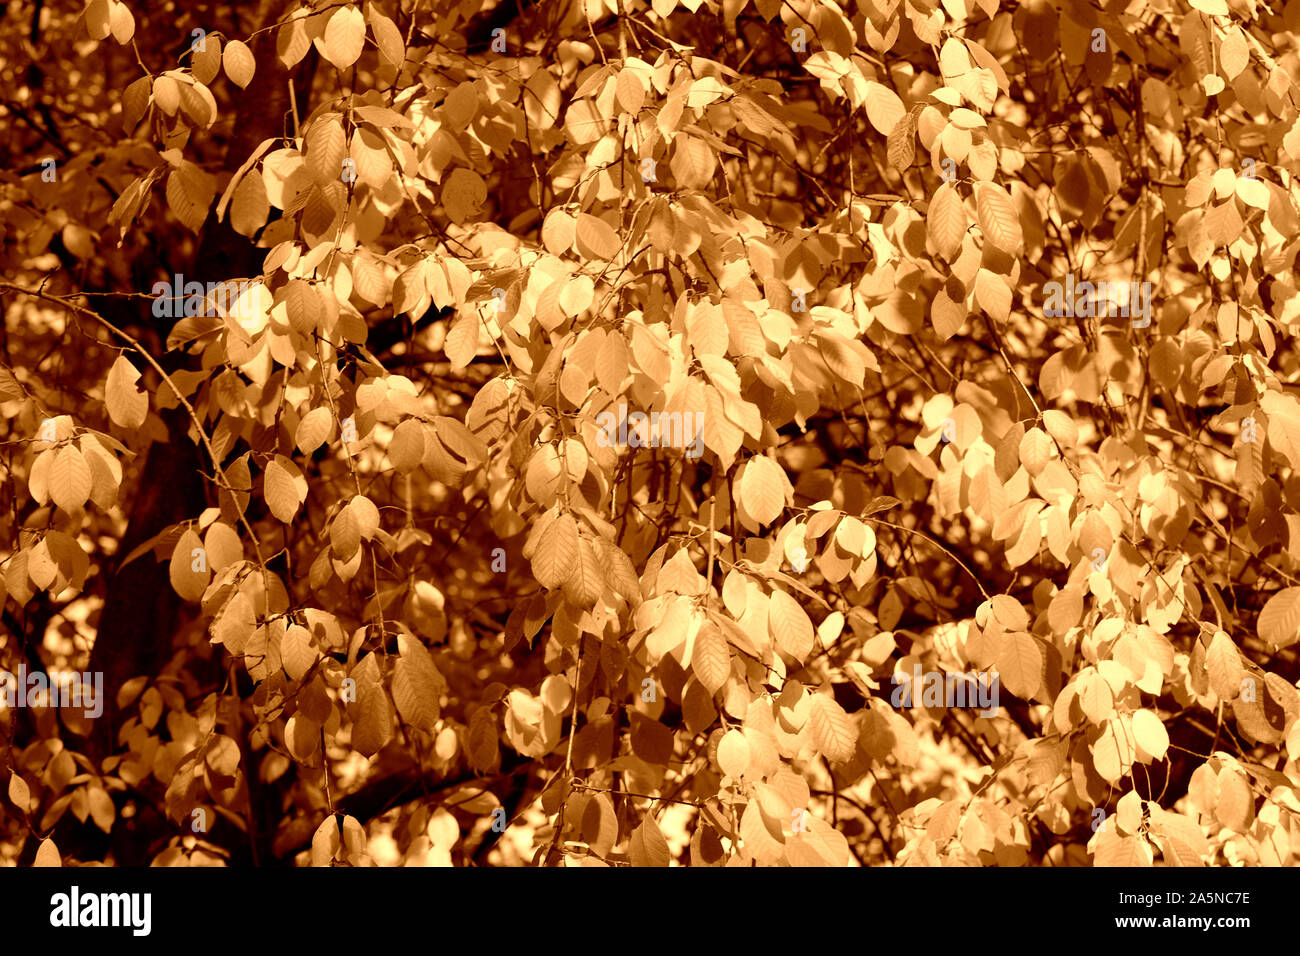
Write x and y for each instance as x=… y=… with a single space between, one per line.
x=718 y=433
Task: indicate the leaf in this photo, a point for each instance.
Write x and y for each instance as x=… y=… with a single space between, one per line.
x=372 y=726
x=1020 y=664
x=1283 y=424
x=127 y=405
x=325 y=148
x=190 y=192
x=47 y=854
x=833 y=732
x=20 y=795
x=461 y=344
x=186 y=581
x=596 y=238
x=387 y=37
x=122 y=22
x=693 y=162
x=292 y=42
x=1112 y=752
x=280 y=488
x=711 y=658
x=544 y=474
x=250 y=206
x=884 y=108
x=557 y=555
x=238 y=61
x=1129 y=851
x=345 y=533
x=205 y=64
x=584 y=123
x=325 y=842
x=70 y=478
x=1223 y=663
x=314 y=430
x=1150 y=735
x=630 y=91
x=417 y=685
x=900 y=146
x=1234 y=53
x=733 y=753
x=587 y=580
x=1236 y=807
x=790 y=625
x=946 y=222
x=946 y=315
x=406 y=450
x=998 y=218
x=1095 y=697
x=993 y=295
x=647 y=846
x=297 y=653
x=463 y=195
x=1279 y=622
x=1180 y=839
x=345 y=35
x=762 y=489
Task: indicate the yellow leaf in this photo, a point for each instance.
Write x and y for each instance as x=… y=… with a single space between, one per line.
x=1112 y=752
x=70 y=479
x=630 y=91
x=833 y=732
x=461 y=344
x=372 y=724
x=313 y=430
x=189 y=571
x=693 y=162
x=345 y=35
x=417 y=686
x=406 y=450
x=250 y=206
x=790 y=625
x=20 y=795
x=280 y=488
x=998 y=218
x=127 y=405
x=1129 y=851
x=584 y=122
x=1279 y=621
x=1234 y=53
x=325 y=148
x=733 y=753
x=1283 y=424
x=762 y=489
x=558 y=553
x=596 y=238
x=206 y=63
x=47 y=854
x=387 y=37
x=239 y=63
x=463 y=195
x=884 y=108
x=946 y=222
x=325 y=842
x=345 y=534
x=710 y=658
x=993 y=295
x=1223 y=663
x=1150 y=734
x=647 y=847
x=1020 y=664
